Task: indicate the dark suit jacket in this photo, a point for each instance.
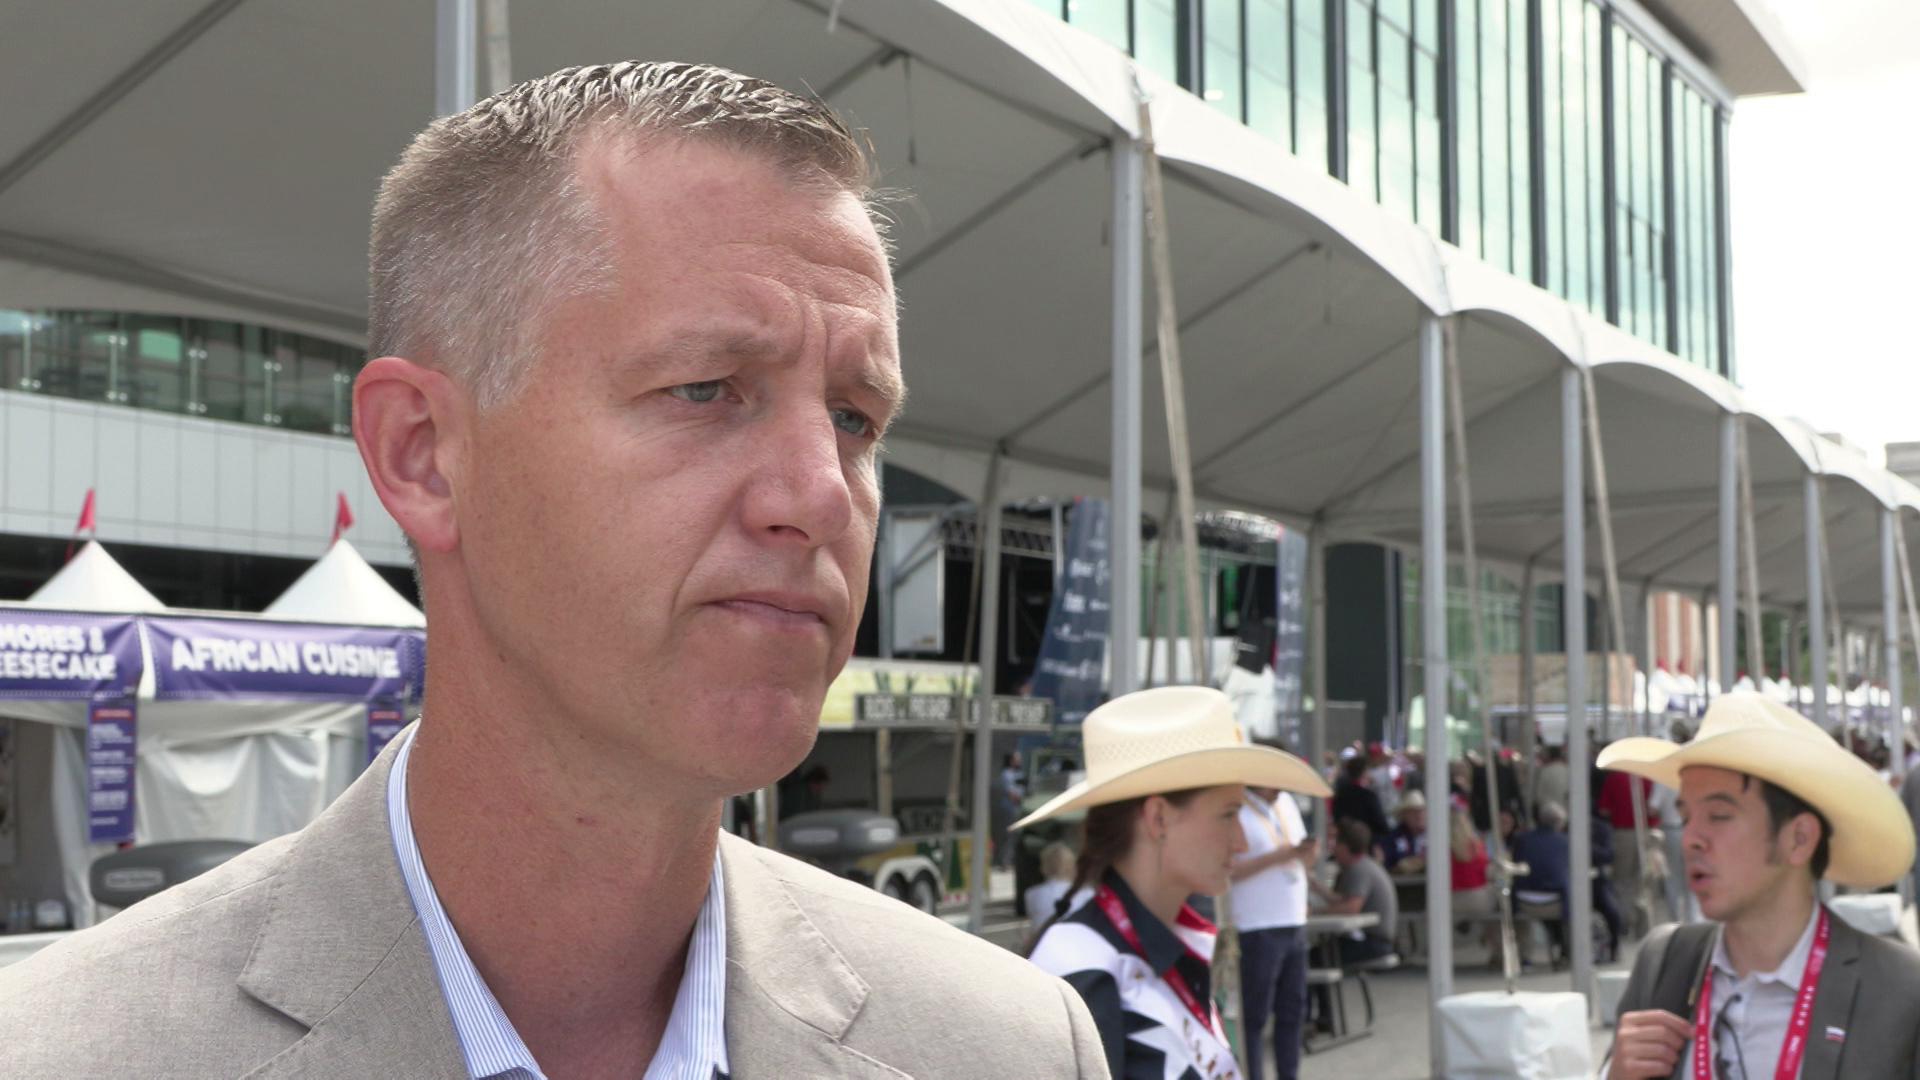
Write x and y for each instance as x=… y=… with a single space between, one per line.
x=1869 y=991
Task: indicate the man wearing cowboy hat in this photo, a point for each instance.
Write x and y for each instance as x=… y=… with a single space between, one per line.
x=1773 y=985
x=1408 y=839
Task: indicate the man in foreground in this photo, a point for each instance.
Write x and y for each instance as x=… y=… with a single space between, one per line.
x=1774 y=985
x=636 y=347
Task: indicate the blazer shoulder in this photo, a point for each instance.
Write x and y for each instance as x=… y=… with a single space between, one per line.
x=1891 y=965
x=147 y=979
x=913 y=964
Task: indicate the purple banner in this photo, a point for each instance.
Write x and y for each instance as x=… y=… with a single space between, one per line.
x=383 y=723
x=60 y=654
x=111 y=745
x=235 y=658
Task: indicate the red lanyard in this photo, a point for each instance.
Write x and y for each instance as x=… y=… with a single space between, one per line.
x=1117 y=914
x=1795 y=1046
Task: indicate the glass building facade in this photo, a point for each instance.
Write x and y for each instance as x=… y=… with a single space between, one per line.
x=200 y=367
x=1554 y=139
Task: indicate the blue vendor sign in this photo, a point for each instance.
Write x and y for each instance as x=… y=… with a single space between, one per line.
x=62 y=654
x=112 y=741
x=233 y=658
x=1075 y=646
x=384 y=723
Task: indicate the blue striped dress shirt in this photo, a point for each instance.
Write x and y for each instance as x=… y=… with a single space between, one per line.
x=694 y=1046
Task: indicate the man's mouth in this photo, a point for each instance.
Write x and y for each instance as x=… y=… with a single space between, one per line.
x=792 y=611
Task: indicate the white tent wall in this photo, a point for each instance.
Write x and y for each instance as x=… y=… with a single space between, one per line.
x=243 y=770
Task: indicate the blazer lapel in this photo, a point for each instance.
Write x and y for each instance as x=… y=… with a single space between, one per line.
x=791 y=996
x=1832 y=1002
x=342 y=953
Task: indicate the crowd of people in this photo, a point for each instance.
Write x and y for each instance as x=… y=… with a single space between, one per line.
x=1506 y=835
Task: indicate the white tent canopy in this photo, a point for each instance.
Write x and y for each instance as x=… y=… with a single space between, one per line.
x=342 y=588
x=93 y=581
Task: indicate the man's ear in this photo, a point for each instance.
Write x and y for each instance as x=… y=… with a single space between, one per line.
x=1801 y=837
x=410 y=422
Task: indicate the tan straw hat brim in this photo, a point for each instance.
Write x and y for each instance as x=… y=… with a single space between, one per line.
x=1258 y=766
x=1873 y=839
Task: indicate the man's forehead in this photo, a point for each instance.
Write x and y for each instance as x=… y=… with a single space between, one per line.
x=1699 y=782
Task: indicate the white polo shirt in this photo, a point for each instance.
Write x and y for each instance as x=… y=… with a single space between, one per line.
x=1276 y=896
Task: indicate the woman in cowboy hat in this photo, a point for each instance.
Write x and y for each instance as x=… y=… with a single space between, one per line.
x=1166 y=774
x=1773 y=985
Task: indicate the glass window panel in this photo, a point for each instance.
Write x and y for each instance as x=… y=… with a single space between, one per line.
x=1224 y=90
x=1310 y=118
x=157 y=372
x=1156 y=36
x=1105 y=19
x=1362 y=119
x=1269 y=53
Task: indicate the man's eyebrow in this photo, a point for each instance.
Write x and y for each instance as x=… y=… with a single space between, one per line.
x=885 y=384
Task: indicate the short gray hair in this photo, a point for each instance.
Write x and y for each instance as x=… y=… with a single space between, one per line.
x=483 y=225
x=1551 y=816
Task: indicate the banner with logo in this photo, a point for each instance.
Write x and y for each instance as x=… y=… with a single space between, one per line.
x=1074 y=648
x=112 y=744
x=1290 y=630
x=383 y=723
x=62 y=654
x=233 y=658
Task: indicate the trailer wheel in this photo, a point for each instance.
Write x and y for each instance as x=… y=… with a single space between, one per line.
x=926 y=893
x=897 y=887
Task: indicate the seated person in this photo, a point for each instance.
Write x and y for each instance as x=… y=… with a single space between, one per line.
x=1363 y=886
x=1058 y=865
x=1542 y=891
x=1404 y=848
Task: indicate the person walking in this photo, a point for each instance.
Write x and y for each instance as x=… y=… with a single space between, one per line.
x=1270 y=909
x=1167 y=771
x=1353 y=800
x=1773 y=985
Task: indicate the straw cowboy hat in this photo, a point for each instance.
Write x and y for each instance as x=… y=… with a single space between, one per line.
x=1872 y=843
x=1172 y=738
x=1412 y=800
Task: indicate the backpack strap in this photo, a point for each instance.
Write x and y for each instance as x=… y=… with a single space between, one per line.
x=1686 y=952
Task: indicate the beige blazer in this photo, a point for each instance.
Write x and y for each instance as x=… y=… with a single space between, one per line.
x=304 y=958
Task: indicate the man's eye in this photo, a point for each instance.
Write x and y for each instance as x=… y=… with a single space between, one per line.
x=696 y=391
x=852 y=421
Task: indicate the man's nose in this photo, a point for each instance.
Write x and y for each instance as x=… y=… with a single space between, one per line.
x=801 y=493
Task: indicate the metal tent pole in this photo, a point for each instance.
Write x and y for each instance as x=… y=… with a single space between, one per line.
x=1643 y=706
x=1123 y=627
x=1317 y=648
x=455 y=48
x=1574 y=613
x=1750 y=556
x=1890 y=642
x=1816 y=609
x=1528 y=727
x=1433 y=633
x=1729 y=549
x=979 y=880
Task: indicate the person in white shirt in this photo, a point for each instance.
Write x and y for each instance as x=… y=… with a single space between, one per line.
x=1270 y=909
x=1058 y=866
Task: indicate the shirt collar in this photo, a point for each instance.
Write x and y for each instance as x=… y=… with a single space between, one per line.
x=1790 y=970
x=1159 y=947
x=694 y=1045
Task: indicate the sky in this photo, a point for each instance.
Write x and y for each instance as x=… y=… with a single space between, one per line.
x=1825 y=216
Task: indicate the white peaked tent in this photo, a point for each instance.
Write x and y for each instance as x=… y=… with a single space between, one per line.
x=342 y=588
x=93 y=581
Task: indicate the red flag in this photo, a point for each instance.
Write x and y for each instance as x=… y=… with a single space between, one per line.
x=85 y=524
x=342 y=516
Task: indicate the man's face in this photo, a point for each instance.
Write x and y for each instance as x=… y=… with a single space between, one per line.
x=1732 y=854
x=1415 y=818
x=669 y=526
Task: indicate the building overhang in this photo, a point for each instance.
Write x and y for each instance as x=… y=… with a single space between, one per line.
x=1741 y=41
